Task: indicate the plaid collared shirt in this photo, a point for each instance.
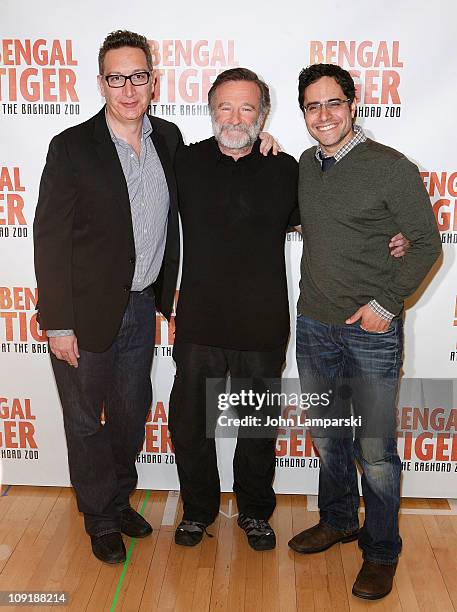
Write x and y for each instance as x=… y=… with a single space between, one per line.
x=359 y=136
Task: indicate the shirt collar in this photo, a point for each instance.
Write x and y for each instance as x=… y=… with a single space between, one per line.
x=146 y=129
x=359 y=136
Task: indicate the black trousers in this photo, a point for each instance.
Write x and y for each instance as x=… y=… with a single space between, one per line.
x=195 y=451
x=116 y=382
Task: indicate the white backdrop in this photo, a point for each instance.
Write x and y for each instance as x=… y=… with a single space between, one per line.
x=402 y=56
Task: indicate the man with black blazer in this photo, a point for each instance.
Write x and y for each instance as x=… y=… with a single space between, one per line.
x=106 y=257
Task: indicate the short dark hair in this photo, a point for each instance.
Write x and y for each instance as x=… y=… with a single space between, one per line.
x=313 y=73
x=124 y=38
x=242 y=74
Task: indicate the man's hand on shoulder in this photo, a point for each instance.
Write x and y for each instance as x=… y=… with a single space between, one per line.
x=65 y=348
x=369 y=320
x=399 y=245
x=268 y=143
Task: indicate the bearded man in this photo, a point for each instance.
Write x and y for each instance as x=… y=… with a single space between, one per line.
x=232 y=315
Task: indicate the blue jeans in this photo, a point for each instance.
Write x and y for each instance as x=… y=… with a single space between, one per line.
x=360 y=371
x=118 y=382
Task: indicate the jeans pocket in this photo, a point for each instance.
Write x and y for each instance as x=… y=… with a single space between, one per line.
x=381 y=333
x=390 y=329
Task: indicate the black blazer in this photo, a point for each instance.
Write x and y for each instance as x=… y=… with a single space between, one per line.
x=83 y=236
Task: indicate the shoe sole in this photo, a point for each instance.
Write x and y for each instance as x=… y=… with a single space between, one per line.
x=344 y=540
x=188 y=544
x=144 y=535
x=262 y=548
x=109 y=562
x=370 y=597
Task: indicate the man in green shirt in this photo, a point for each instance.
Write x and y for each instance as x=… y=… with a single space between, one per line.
x=354 y=194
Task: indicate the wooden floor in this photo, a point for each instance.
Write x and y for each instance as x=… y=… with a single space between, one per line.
x=43 y=547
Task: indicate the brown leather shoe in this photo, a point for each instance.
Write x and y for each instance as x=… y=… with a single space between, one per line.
x=319 y=538
x=374 y=580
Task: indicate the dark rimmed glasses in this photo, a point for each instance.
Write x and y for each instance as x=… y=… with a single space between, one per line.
x=119 y=80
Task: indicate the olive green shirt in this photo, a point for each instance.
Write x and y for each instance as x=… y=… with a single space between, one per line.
x=349 y=214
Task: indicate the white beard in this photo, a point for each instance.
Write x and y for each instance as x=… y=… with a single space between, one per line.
x=236 y=136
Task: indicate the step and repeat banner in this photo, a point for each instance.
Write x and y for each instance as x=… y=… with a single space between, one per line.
x=403 y=62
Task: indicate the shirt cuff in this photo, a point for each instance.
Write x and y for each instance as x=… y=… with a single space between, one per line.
x=380 y=311
x=55 y=333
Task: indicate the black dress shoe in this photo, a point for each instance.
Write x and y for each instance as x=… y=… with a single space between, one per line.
x=319 y=538
x=109 y=548
x=133 y=524
x=374 y=580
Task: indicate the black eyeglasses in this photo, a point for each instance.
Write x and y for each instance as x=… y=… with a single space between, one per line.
x=315 y=107
x=119 y=80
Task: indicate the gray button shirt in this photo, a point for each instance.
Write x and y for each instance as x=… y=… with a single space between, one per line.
x=149 y=205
